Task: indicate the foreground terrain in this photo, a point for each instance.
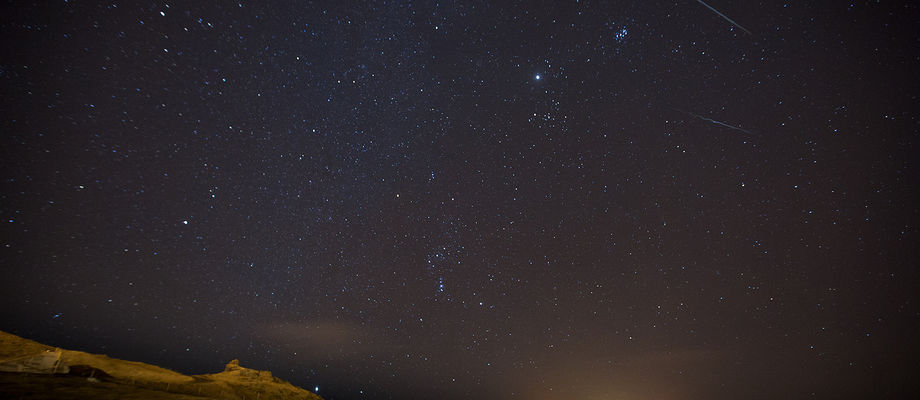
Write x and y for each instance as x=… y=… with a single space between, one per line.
x=31 y=370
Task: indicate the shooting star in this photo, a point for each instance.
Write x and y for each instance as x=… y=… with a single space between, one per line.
x=724 y=16
x=717 y=122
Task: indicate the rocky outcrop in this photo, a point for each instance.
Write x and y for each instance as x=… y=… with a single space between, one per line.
x=233 y=365
x=234 y=369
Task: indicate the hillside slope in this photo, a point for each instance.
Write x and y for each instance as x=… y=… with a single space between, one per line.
x=65 y=374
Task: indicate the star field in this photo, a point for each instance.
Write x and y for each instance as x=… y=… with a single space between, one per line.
x=453 y=200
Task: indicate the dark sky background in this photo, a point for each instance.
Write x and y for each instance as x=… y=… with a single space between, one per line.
x=492 y=200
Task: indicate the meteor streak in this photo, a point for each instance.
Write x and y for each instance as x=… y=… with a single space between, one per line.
x=724 y=16
x=717 y=122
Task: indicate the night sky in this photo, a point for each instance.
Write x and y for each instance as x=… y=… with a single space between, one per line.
x=491 y=200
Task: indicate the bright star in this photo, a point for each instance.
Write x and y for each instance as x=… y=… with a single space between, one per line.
x=537 y=77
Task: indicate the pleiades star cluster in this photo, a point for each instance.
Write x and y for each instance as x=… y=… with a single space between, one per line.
x=459 y=199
